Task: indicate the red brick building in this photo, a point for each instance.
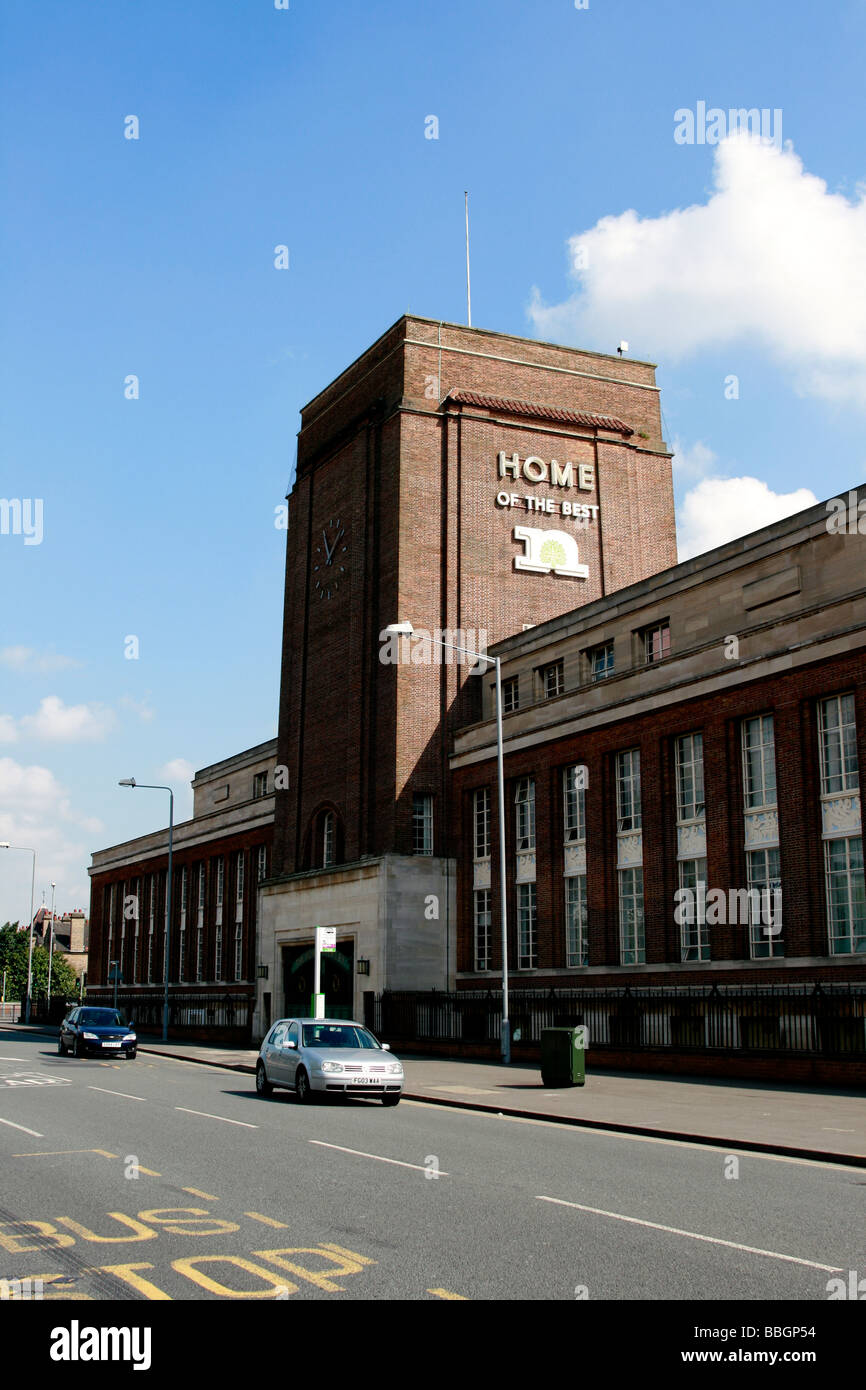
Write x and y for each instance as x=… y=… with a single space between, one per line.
x=700 y=730
x=469 y=482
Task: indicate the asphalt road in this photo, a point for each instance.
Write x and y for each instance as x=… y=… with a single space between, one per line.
x=161 y=1179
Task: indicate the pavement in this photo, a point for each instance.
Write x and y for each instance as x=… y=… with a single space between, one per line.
x=796 y=1121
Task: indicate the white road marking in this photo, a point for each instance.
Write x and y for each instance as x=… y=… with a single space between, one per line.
x=12 y=1125
x=106 y=1092
x=359 y=1153
x=207 y=1116
x=692 y=1235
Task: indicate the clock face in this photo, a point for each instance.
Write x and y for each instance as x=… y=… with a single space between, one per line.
x=330 y=559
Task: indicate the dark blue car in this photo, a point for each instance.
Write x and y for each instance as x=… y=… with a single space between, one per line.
x=87 y=1029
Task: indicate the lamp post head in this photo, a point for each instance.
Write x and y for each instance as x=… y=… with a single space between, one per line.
x=127 y=782
x=4 y=844
x=400 y=629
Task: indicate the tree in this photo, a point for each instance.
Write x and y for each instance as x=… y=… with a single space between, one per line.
x=14 y=951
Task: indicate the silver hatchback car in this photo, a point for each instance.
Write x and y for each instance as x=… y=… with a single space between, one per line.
x=311 y=1056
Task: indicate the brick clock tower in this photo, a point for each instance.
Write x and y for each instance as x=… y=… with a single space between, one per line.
x=467 y=482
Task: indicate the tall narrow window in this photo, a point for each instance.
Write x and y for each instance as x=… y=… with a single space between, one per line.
x=657 y=642
x=510 y=695
x=694 y=935
x=184 y=910
x=239 y=914
x=422 y=824
x=846 y=897
x=628 y=790
x=260 y=784
x=482 y=927
x=631 y=919
x=328 y=835
x=199 y=926
x=524 y=801
x=765 y=937
x=601 y=661
x=136 y=894
x=838 y=738
x=553 y=679
x=482 y=823
x=576 y=945
x=759 y=762
x=527 y=927
x=574 y=802
x=261 y=863
x=151 y=927
x=690 y=777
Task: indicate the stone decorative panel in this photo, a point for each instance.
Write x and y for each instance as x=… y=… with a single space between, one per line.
x=841 y=815
x=629 y=850
x=526 y=867
x=761 y=829
x=481 y=873
x=692 y=840
x=575 y=860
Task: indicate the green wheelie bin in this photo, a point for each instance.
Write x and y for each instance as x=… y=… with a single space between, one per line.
x=563 y=1053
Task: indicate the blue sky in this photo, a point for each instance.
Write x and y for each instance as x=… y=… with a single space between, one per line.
x=306 y=127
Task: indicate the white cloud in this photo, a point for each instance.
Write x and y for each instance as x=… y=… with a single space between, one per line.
x=8 y=731
x=721 y=509
x=67 y=723
x=692 y=461
x=139 y=707
x=30 y=662
x=771 y=258
x=177 y=770
x=37 y=812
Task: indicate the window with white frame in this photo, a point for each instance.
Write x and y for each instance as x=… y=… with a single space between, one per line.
x=524 y=801
x=552 y=679
x=694 y=935
x=199 y=932
x=632 y=944
x=574 y=803
x=136 y=893
x=759 y=762
x=628 y=790
x=112 y=909
x=656 y=642
x=261 y=863
x=576 y=942
x=239 y=886
x=220 y=881
x=601 y=661
x=510 y=695
x=260 y=785
x=846 y=897
x=181 y=936
x=481 y=807
x=527 y=927
x=239 y=950
x=151 y=927
x=482 y=928
x=328 y=835
x=422 y=824
x=764 y=882
x=690 y=777
x=837 y=727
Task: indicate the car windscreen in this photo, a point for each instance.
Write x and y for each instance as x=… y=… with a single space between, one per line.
x=337 y=1035
x=102 y=1018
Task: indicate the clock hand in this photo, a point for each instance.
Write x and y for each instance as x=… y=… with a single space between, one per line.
x=328 y=553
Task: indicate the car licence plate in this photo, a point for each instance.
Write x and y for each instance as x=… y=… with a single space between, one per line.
x=366 y=1081
x=111 y=1044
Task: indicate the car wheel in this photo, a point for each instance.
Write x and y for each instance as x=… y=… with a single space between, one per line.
x=131 y=1054
x=303 y=1089
x=76 y=1048
x=390 y=1100
x=263 y=1085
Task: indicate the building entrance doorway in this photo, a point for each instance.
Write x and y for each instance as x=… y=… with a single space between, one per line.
x=338 y=969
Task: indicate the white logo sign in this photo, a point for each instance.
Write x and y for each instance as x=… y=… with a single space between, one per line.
x=548 y=551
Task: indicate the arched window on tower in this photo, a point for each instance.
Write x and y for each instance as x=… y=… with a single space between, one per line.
x=329 y=836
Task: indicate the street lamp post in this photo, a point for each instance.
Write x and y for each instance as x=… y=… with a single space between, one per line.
x=26 y=850
x=406 y=629
x=156 y=787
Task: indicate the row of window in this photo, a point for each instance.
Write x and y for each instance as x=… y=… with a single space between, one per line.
x=761 y=903
x=123 y=915
x=654 y=644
